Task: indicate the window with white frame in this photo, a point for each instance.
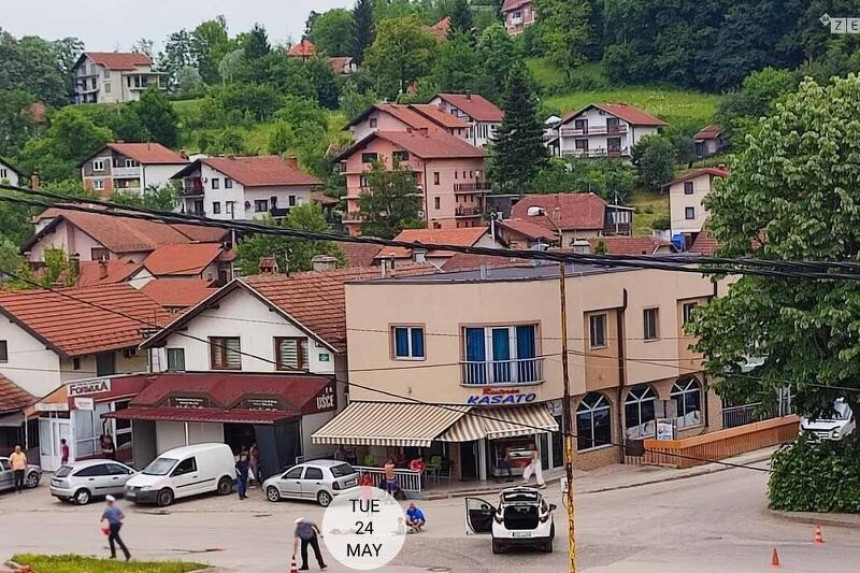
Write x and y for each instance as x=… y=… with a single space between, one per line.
x=651 y=320
x=89 y=429
x=131 y=163
x=687 y=311
x=98 y=165
x=98 y=184
x=687 y=394
x=4 y=173
x=407 y=342
x=690 y=213
x=620 y=217
x=639 y=411
x=176 y=359
x=501 y=355
x=597 y=330
x=593 y=422
x=107 y=88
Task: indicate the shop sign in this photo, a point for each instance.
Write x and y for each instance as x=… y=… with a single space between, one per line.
x=556 y=409
x=87 y=388
x=324 y=356
x=84 y=404
x=325 y=400
x=51 y=407
x=262 y=404
x=188 y=402
x=501 y=396
x=666 y=430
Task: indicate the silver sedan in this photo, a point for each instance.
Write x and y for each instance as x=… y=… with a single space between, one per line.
x=7 y=476
x=81 y=481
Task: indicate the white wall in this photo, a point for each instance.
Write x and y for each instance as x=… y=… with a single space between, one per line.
x=67 y=237
x=597 y=119
x=170 y=435
x=9 y=176
x=311 y=424
x=678 y=203
x=31 y=365
x=159 y=175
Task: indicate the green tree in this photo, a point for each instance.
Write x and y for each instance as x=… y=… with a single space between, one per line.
x=208 y=45
x=390 y=204
x=188 y=83
x=12 y=261
x=458 y=66
x=16 y=125
x=462 y=22
x=177 y=55
x=333 y=32
x=325 y=82
x=654 y=157
x=158 y=117
x=57 y=268
x=565 y=30
x=739 y=111
x=497 y=53
x=402 y=52
x=518 y=153
x=164 y=198
x=257 y=43
x=364 y=31
x=290 y=253
x=790 y=197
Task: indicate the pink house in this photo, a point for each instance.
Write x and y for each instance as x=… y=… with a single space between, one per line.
x=402 y=117
x=449 y=175
x=518 y=15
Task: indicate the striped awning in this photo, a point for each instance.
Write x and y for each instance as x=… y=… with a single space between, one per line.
x=402 y=424
x=495 y=423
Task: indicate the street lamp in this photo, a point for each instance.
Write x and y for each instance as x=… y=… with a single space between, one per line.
x=567 y=416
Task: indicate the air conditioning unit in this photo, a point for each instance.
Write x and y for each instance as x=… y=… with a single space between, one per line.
x=421 y=214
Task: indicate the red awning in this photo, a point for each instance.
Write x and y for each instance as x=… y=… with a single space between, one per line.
x=202 y=415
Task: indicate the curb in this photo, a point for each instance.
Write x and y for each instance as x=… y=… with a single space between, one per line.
x=18 y=567
x=828 y=519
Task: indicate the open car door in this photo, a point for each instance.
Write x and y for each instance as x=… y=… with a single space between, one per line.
x=479 y=516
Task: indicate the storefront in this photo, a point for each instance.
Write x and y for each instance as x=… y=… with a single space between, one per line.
x=277 y=412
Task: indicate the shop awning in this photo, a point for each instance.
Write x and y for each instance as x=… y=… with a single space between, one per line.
x=495 y=423
x=201 y=415
x=389 y=424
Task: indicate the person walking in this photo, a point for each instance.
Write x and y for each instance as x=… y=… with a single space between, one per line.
x=242 y=467
x=505 y=466
x=64 y=452
x=114 y=516
x=534 y=467
x=18 y=461
x=306 y=533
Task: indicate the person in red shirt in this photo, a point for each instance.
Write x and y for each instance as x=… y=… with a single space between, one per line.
x=418 y=465
x=64 y=452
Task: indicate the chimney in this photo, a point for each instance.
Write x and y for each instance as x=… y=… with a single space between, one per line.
x=292 y=162
x=103 y=269
x=469 y=97
x=35 y=181
x=322 y=263
x=267 y=266
x=75 y=265
x=387 y=266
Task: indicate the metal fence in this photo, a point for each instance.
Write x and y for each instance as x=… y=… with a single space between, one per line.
x=522 y=371
x=408 y=480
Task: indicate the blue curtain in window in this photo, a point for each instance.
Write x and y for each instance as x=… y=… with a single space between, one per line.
x=476 y=356
x=418 y=343
x=527 y=370
x=501 y=355
x=401 y=342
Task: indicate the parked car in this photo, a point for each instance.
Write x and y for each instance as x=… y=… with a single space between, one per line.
x=7 y=476
x=321 y=480
x=184 y=472
x=522 y=518
x=837 y=425
x=83 y=480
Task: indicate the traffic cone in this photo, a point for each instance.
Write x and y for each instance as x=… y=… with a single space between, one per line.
x=293 y=567
x=819 y=540
x=774 y=560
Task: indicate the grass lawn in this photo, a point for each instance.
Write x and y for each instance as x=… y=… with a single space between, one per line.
x=644 y=201
x=79 y=564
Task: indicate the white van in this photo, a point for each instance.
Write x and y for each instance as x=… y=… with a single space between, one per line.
x=183 y=472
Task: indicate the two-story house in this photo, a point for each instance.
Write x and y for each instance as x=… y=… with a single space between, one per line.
x=8 y=173
x=450 y=175
x=603 y=130
x=231 y=187
x=457 y=340
x=69 y=344
x=577 y=215
x=686 y=194
x=404 y=117
x=518 y=15
x=482 y=115
x=130 y=168
x=113 y=77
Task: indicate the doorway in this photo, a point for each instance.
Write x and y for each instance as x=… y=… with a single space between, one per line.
x=51 y=430
x=239 y=436
x=469 y=460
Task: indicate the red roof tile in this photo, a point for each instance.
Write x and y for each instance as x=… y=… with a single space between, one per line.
x=571 y=211
x=359 y=254
x=529 y=229
x=149 y=153
x=713 y=171
x=304 y=49
x=464 y=262
x=440 y=29
x=631 y=245
x=119 y=61
x=12 y=397
x=475 y=106
x=403 y=113
x=115 y=271
x=182 y=259
x=178 y=293
x=262 y=171
x=511 y=5
x=433 y=144
x=438 y=116
x=704 y=243
x=341 y=64
x=712 y=131
x=461 y=237
x=630 y=114
x=87 y=325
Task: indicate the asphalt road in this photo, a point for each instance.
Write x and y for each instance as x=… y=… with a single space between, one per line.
x=711 y=523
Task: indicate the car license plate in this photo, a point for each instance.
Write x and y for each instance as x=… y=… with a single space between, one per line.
x=130 y=494
x=522 y=534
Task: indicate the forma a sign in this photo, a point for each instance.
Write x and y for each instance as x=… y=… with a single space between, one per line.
x=87 y=388
x=500 y=397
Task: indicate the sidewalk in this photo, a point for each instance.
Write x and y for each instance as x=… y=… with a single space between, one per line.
x=610 y=478
x=843 y=520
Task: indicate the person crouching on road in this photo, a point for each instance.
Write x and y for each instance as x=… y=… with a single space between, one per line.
x=242 y=467
x=114 y=516
x=306 y=532
x=415 y=518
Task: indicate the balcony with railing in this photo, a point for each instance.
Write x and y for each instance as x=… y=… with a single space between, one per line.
x=598 y=152
x=125 y=172
x=352 y=217
x=192 y=187
x=471 y=188
x=596 y=130
x=468 y=212
x=501 y=372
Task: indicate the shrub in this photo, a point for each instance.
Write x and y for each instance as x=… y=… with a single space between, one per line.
x=661 y=223
x=816 y=477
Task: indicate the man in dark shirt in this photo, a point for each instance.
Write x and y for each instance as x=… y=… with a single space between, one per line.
x=114 y=516
x=306 y=532
x=242 y=475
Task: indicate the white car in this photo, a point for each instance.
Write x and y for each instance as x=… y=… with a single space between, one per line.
x=522 y=518
x=839 y=424
x=319 y=480
x=84 y=480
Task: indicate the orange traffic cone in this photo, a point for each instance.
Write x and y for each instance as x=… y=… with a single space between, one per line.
x=819 y=540
x=293 y=567
x=774 y=560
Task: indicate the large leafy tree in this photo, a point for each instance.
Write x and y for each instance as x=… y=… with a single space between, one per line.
x=793 y=194
x=37 y=66
x=333 y=32
x=654 y=157
x=390 y=204
x=158 y=117
x=461 y=19
x=458 y=67
x=497 y=53
x=208 y=44
x=364 y=29
x=518 y=153
x=291 y=253
x=402 y=52
x=565 y=30
x=256 y=43
x=16 y=125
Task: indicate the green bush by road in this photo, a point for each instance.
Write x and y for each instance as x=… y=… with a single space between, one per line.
x=79 y=564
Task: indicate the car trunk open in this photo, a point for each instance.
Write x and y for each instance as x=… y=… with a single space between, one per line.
x=521 y=517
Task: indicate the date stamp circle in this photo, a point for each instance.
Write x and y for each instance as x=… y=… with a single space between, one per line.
x=364 y=529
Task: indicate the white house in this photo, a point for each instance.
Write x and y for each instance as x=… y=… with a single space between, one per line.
x=113 y=77
x=482 y=115
x=8 y=174
x=686 y=195
x=231 y=187
x=130 y=168
x=603 y=130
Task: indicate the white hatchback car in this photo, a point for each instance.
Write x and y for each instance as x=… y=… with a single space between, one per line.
x=523 y=518
x=835 y=427
x=318 y=480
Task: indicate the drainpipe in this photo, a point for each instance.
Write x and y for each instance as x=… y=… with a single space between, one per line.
x=622 y=373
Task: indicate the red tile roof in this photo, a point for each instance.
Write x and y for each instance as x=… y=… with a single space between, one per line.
x=116 y=271
x=630 y=114
x=475 y=106
x=359 y=254
x=571 y=211
x=704 y=243
x=149 y=153
x=464 y=262
x=178 y=293
x=182 y=259
x=631 y=245
x=304 y=49
x=12 y=397
x=440 y=29
x=262 y=171
x=712 y=131
x=461 y=237
x=433 y=144
x=324 y=200
x=403 y=113
x=341 y=64
x=713 y=171
x=124 y=235
x=529 y=229
x=438 y=116
x=81 y=321
x=511 y=5
x=119 y=61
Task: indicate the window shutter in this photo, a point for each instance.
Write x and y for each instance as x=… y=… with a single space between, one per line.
x=232 y=350
x=288 y=353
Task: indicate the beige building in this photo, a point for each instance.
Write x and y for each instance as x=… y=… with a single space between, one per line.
x=113 y=77
x=686 y=196
x=486 y=343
